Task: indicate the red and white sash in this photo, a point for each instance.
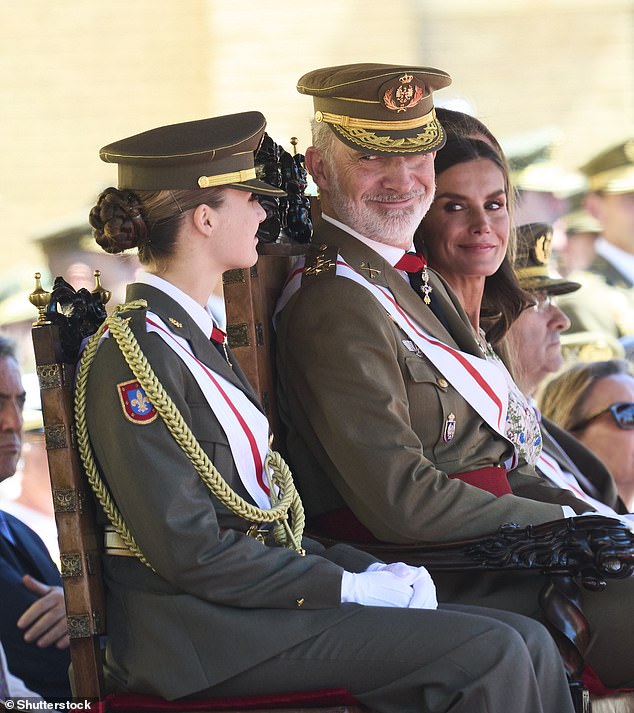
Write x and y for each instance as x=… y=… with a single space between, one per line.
x=551 y=469
x=482 y=383
x=246 y=427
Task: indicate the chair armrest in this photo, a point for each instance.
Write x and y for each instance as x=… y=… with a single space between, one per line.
x=594 y=547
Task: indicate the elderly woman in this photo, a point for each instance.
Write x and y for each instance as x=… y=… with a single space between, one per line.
x=595 y=402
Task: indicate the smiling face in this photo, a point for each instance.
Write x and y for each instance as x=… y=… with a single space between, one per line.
x=466 y=230
x=382 y=197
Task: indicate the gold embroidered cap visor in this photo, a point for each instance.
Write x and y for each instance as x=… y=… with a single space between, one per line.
x=532 y=261
x=612 y=171
x=219 y=151
x=378 y=108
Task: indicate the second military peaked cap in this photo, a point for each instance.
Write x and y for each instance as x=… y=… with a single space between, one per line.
x=219 y=151
x=612 y=171
x=532 y=261
x=379 y=108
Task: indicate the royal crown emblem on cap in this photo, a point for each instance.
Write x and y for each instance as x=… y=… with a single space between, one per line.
x=406 y=95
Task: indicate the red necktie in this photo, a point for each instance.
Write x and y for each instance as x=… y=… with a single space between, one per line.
x=411 y=262
x=217 y=335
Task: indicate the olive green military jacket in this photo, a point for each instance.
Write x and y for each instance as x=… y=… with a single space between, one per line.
x=218 y=602
x=591 y=473
x=366 y=414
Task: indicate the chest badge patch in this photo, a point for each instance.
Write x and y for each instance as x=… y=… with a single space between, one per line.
x=136 y=405
x=449 y=429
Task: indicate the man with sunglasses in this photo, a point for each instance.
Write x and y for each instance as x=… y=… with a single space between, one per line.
x=534 y=353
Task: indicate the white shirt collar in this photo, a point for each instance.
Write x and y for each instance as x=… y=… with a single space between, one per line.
x=389 y=253
x=205 y=317
x=618 y=258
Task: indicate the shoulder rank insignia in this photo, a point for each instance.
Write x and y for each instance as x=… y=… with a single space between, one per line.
x=320 y=261
x=136 y=405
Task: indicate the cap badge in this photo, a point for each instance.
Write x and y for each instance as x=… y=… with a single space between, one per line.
x=543 y=248
x=404 y=96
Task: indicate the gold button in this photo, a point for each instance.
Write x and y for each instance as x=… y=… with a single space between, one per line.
x=299 y=602
x=443 y=383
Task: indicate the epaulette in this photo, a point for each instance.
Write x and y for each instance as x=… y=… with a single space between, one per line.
x=133 y=313
x=320 y=260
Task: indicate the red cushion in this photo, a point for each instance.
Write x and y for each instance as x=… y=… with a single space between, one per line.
x=128 y=702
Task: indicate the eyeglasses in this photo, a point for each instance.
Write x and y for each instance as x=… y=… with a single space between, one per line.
x=622 y=412
x=542 y=301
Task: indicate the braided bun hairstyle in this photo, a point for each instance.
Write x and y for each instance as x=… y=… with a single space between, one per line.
x=117 y=220
x=148 y=220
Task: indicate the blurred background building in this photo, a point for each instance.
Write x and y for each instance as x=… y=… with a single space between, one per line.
x=77 y=74
x=551 y=78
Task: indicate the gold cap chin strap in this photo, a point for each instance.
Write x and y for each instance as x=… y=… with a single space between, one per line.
x=350 y=122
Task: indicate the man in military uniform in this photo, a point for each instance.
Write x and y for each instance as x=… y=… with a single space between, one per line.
x=534 y=353
x=605 y=303
x=393 y=430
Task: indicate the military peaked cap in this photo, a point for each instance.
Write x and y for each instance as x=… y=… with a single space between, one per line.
x=211 y=152
x=378 y=108
x=534 y=247
x=612 y=171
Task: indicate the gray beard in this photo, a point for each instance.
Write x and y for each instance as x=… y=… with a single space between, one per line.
x=394 y=227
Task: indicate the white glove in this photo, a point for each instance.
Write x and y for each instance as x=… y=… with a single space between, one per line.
x=424 y=596
x=376 y=589
x=390 y=585
x=424 y=591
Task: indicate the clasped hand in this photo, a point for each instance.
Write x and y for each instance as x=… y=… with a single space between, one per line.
x=390 y=585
